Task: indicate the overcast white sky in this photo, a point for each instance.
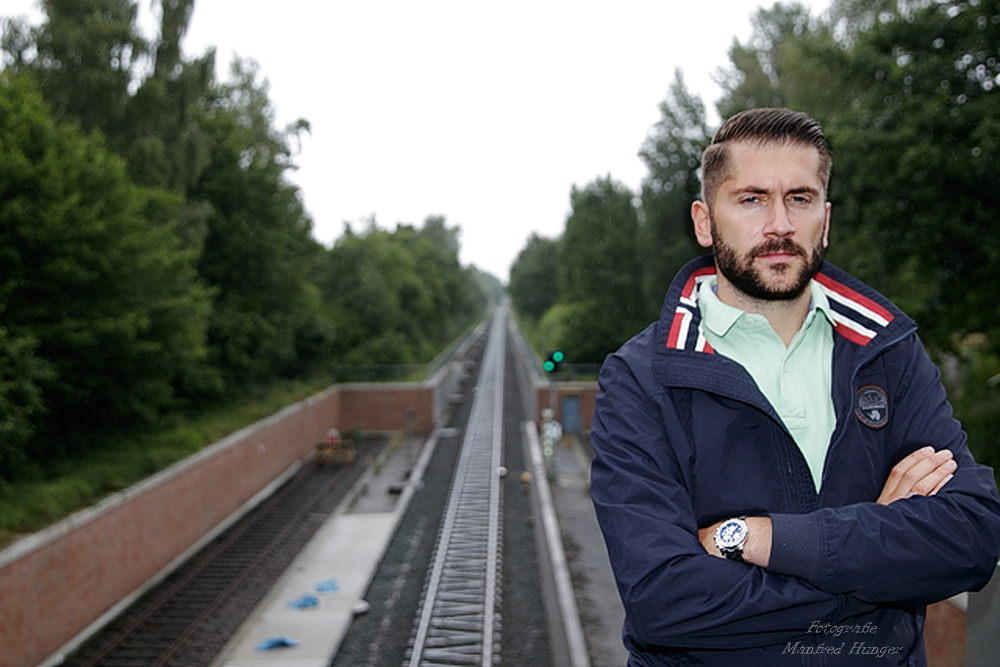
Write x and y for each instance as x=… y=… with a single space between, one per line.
x=484 y=112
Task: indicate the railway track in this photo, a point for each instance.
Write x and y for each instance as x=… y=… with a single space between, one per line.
x=187 y=619
x=465 y=572
x=458 y=622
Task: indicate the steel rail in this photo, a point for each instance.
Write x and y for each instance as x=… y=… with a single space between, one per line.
x=458 y=621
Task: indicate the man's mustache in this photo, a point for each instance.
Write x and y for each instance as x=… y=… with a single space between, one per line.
x=785 y=246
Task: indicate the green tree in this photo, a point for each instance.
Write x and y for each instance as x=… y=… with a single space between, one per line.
x=86 y=55
x=22 y=405
x=534 y=282
x=162 y=134
x=793 y=59
x=258 y=252
x=112 y=300
x=672 y=153
x=361 y=279
x=452 y=295
x=915 y=173
x=94 y=67
x=599 y=273
x=214 y=165
x=397 y=297
x=490 y=291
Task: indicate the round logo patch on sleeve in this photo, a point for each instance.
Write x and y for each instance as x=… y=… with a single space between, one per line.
x=871 y=405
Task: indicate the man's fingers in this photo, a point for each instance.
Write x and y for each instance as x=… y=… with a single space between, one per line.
x=944 y=481
x=894 y=485
x=930 y=483
x=922 y=473
x=929 y=474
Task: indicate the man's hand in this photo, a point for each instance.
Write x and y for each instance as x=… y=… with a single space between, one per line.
x=922 y=473
x=756 y=551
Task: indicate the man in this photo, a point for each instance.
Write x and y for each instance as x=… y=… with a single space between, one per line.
x=777 y=473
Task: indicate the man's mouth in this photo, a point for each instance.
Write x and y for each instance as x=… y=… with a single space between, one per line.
x=778 y=256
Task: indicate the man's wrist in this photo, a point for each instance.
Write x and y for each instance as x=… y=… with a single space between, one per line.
x=757 y=549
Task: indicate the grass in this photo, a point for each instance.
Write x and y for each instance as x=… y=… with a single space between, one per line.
x=74 y=484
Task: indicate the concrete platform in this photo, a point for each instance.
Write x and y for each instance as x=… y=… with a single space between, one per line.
x=601 y=611
x=346 y=550
x=344 y=553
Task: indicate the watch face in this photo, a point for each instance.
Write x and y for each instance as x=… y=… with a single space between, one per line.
x=732 y=533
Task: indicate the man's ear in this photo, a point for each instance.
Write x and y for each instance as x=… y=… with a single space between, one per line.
x=702 y=223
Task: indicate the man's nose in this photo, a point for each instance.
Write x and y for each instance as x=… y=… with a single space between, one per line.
x=779 y=222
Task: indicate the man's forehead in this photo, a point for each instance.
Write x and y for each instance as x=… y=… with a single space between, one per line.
x=767 y=161
x=770 y=147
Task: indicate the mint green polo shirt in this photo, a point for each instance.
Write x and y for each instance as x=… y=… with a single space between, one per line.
x=796 y=380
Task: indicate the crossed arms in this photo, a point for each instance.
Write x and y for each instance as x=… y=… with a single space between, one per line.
x=922 y=473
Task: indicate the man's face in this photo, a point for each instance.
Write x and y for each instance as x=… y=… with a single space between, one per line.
x=769 y=222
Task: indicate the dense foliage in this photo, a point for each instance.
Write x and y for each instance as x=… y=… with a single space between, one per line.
x=909 y=95
x=598 y=282
x=155 y=255
x=384 y=290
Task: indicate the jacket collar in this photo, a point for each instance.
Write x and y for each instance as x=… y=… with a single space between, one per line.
x=861 y=315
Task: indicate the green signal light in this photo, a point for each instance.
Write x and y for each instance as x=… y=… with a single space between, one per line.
x=553 y=361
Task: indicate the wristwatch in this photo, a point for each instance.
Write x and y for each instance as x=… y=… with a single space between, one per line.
x=730 y=537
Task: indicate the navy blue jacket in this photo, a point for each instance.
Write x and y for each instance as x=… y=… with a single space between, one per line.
x=683 y=438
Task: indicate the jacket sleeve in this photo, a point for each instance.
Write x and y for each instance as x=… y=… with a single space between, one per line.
x=675 y=594
x=914 y=551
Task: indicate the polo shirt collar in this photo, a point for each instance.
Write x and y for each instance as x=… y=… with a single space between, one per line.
x=720 y=317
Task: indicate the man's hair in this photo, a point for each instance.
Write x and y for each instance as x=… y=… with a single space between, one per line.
x=761 y=126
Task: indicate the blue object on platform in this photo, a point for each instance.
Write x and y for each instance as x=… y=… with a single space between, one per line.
x=328 y=586
x=304 y=601
x=276 y=642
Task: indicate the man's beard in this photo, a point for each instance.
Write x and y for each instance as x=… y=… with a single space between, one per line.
x=742 y=274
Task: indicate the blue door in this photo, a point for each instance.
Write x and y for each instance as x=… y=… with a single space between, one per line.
x=571 y=414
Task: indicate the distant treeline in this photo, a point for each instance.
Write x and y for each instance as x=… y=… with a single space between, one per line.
x=155 y=257
x=909 y=96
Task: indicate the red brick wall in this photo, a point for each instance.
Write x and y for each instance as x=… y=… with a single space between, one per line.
x=944 y=635
x=549 y=393
x=57 y=583
x=384 y=407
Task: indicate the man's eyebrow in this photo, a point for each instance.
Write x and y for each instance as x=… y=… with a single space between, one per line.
x=751 y=189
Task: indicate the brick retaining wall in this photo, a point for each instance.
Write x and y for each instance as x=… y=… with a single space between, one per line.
x=944 y=635
x=56 y=584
